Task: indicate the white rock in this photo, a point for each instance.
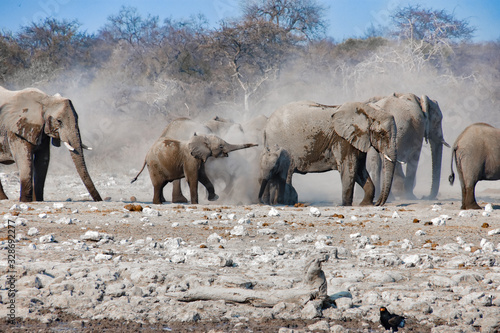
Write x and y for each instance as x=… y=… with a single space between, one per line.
x=250 y=215
x=460 y=240
x=64 y=220
x=47 y=239
x=266 y=231
x=32 y=246
x=494 y=232
x=354 y=218
x=231 y=216
x=407 y=244
x=21 y=221
x=411 y=260
x=436 y=208
x=488 y=208
x=150 y=212
x=58 y=205
x=356 y=235
x=15 y=207
x=395 y=215
x=94 y=208
x=42 y=215
x=466 y=213
x=438 y=221
x=488 y=247
x=273 y=212
x=33 y=231
x=483 y=241
x=315 y=212
x=175 y=224
x=486 y=214
x=420 y=233
x=200 y=222
x=102 y=256
x=95 y=236
x=239 y=230
x=375 y=238
x=24 y=206
x=144 y=219
x=214 y=238
x=244 y=221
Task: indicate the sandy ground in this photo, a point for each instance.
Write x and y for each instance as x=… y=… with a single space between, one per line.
x=87 y=266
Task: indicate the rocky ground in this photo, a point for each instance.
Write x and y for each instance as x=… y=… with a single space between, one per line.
x=107 y=266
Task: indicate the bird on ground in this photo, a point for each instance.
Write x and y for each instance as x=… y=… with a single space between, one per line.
x=391 y=321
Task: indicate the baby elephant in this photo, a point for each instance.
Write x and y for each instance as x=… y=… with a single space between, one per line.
x=477 y=155
x=275 y=165
x=170 y=159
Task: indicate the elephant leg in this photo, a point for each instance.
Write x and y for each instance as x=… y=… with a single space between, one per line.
x=468 y=185
x=41 y=166
x=347 y=171
x=177 y=195
x=158 y=197
x=364 y=180
x=202 y=175
x=23 y=155
x=3 y=196
x=411 y=173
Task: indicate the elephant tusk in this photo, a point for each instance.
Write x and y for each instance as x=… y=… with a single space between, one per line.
x=86 y=147
x=69 y=146
x=446 y=144
x=388 y=158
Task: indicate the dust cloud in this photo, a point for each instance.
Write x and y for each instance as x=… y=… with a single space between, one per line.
x=121 y=119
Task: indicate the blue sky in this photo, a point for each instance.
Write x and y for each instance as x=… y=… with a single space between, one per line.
x=347 y=18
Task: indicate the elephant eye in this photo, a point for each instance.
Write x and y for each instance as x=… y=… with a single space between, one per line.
x=221 y=146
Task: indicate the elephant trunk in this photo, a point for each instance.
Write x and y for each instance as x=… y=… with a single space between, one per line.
x=73 y=142
x=437 y=154
x=231 y=147
x=389 y=163
x=262 y=188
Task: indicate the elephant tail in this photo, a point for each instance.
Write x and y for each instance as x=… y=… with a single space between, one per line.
x=451 y=178
x=135 y=178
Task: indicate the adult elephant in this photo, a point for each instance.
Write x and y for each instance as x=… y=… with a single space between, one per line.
x=477 y=154
x=416 y=119
x=29 y=118
x=320 y=138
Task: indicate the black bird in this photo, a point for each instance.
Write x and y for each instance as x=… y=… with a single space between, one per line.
x=391 y=321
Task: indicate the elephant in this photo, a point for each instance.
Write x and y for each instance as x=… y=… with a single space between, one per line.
x=274 y=167
x=320 y=138
x=29 y=120
x=416 y=119
x=169 y=159
x=226 y=170
x=476 y=152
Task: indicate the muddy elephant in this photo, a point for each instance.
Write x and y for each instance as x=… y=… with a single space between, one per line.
x=476 y=152
x=321 y=138
x=275 y=163
x=29 y=120
x=169 y=159
x=417 y=118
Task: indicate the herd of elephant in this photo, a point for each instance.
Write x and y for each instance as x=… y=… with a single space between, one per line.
x=379 y=136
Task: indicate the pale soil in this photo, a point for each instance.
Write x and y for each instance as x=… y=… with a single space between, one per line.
x=271 y=256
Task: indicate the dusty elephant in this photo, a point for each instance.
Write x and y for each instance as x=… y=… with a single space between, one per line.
x=477 y=155
x=29 y=119
x=275 y=163
x=416 y=119
x=320 y=138
x=169 y=159
x=226 y=170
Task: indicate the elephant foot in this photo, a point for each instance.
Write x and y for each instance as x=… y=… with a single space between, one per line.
x=180 y=200
x=366 y=203
x=213 y=197
x=473 y=205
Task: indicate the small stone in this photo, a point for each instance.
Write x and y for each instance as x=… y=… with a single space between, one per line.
x=494 y=232
x=58 y=205
x=200 y=222
x=42 y=215
x=239 y=230
x=395 y=215
x=244 y=221
x=356 y=235
x=488 y=208
x=33 y=231
x=47 y=239
x=133 y=199
x=315 y=212
x=102 y=256
x=273 y=212
x=150 y=212
x=420 y=233
x=133 y=208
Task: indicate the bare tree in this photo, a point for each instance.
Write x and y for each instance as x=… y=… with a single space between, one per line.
x=304 y=18
x=431 y=26
x=253 y=52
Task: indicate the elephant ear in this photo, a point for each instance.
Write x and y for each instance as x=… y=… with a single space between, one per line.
x=425 y=105
x=352 y=122
x=23 y=115
x=199 y=147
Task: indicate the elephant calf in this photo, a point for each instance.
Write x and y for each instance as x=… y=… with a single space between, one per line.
x=169 y=159
x=275 y=163
x=477 y=155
